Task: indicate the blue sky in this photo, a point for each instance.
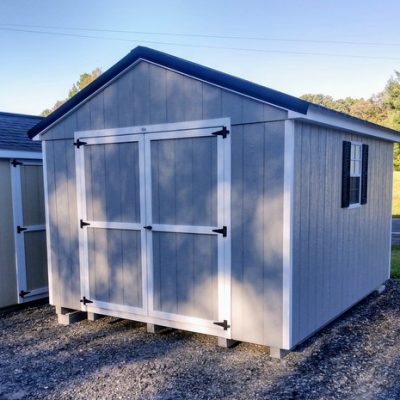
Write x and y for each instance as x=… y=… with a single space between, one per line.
x=38 y=69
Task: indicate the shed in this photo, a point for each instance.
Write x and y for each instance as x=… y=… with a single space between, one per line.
x=184 y=197
x=23 y=266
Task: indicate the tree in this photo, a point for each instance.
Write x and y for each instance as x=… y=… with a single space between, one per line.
x=83 y=81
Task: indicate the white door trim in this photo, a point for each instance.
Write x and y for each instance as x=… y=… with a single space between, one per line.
x=82 y=215
x=223 y=219
x=18 y=220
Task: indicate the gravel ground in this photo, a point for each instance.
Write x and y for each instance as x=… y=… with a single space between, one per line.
x=356 y=357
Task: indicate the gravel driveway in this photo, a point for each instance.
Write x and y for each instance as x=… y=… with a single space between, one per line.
x=358 y=356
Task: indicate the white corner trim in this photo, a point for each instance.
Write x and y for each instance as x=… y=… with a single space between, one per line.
x=342 y=122
x=36 y=155
x=288 y=193
x=47 y=217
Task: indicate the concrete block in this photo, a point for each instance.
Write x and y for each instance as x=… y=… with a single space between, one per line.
x=93 y=316
x=275 y=352
x=152 y=328
x=71 y=317
x=227 y=343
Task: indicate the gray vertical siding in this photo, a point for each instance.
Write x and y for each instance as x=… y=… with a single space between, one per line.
x=257 y=222
x=8 y=281
x=339 y=255
x=148 y=94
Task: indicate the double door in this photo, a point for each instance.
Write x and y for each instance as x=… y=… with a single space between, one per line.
x=155 y=226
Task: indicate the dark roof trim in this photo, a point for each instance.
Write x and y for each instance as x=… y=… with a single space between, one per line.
x=185 y=67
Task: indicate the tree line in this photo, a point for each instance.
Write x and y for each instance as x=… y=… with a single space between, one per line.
x=382 y=108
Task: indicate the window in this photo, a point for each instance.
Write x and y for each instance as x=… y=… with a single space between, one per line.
x=354 y=174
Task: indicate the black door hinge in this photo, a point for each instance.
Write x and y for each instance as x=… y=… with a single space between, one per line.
x=223 y=231
x=85 y=301
x=79 y=143
x=21 y=229
x=148 y=227
x=223 y=132
x=23 y=293
x=82 y=223
x=15 y=162
x=223 y=324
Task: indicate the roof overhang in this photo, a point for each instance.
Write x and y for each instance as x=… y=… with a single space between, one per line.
x=336 y=120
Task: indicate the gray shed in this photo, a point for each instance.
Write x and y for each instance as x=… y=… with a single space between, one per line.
x=23 y=265
x=184 y=197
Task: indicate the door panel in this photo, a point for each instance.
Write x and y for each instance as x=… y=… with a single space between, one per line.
x=186 y=274
x=112 y=177
x=184 y=181
x=115 y=266
x=36 y=259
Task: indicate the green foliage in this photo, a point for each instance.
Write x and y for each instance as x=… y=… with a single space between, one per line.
x=395 y=265
x=382 y=108
x=83 y=81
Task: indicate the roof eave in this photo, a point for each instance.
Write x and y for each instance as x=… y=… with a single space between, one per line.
x=336 y=120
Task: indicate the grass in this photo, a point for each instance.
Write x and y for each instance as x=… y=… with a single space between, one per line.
x=396 y=194
x=395 y=269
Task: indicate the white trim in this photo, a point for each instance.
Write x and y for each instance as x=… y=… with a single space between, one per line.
x=202 y=230
x=47 y=216
x=169 y=130
x=288 y=203
x=337 y=121
x=132 y=226
x=19 y=238
x=21 y=154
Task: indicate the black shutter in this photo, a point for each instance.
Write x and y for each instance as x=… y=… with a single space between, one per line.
x=346 y=174
x=364 y=174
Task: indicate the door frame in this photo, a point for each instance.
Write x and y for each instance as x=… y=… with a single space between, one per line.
x=82 y=215
x=18 y=220
x=119 y=135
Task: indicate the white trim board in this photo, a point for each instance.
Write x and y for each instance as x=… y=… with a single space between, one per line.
x=288 y=193
x=21 y=155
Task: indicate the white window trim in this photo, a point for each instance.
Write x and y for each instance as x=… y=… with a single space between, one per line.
x=356 y=143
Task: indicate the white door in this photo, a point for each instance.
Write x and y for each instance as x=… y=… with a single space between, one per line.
x=155 y=218
x=29 y=229
x=112 y=248
x=188 y=228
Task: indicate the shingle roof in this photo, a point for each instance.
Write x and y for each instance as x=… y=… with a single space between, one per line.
x=13 y=132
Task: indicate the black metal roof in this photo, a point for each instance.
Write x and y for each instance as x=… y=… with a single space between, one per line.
x=13 y=132
x=197 y=71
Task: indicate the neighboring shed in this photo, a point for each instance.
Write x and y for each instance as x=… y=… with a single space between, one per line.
x=184 y=197
x=23 y=265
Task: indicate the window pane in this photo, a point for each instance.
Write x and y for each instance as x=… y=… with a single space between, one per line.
x=358 y=152
x=352 y=151
x=354 y=190
x=357 y=169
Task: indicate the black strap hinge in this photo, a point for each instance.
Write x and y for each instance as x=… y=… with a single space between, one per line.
x=224 y=132
x=223 y=324
x=85 y=301
x=21 y=229
x=148 y=227
x=223 y=231
x=82 y=223
x=23 y=293
x=79 y=143
x=15 y=162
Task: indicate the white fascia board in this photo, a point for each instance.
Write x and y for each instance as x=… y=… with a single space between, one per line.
x=35 y=155
x=336 y=121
